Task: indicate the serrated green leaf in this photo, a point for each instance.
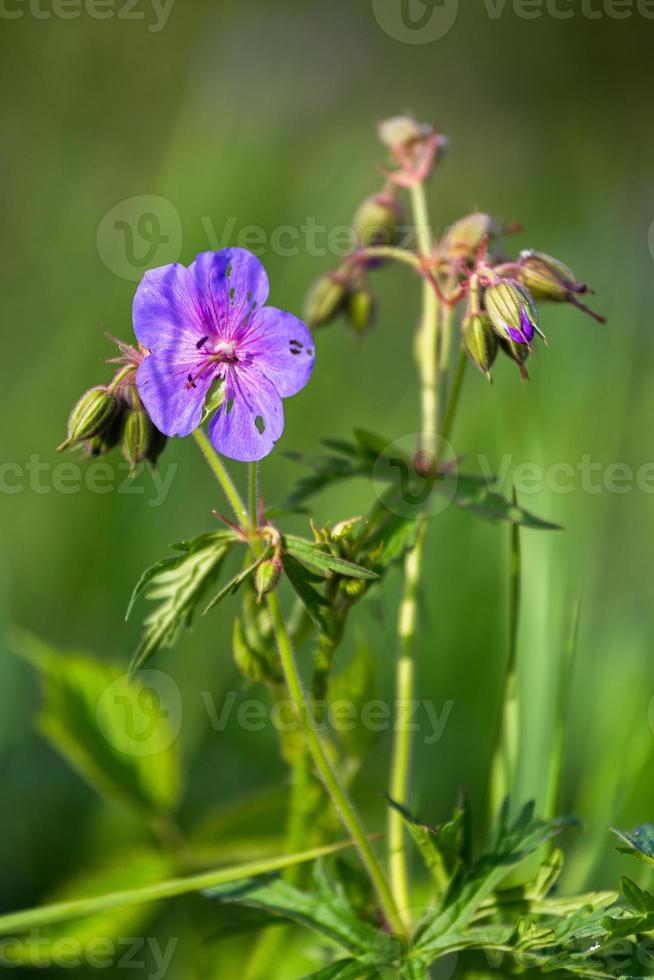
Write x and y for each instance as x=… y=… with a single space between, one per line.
x=472 y=886
x=17 y=922
x=116 y=733
x=425 y=840
x=491 y=505
x=301 y=580
x=179 y=584
x=639 y=843
x=309 y=553
x=325 y=911
x=234 y=584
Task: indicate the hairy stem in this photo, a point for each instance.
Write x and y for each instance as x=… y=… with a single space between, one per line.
x=322 y=762
x=221 y=474
x=426 y=356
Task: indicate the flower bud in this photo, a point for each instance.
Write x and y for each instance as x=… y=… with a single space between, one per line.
x=547 y=278
x=480 y=341
x=354 y=587
x=511 y=311
x=91 y=416
x=157 y=445
x=137 y=437
x=325 y=300
x=402 y=131
x=361 y=309
x=465 y=236
x=375 y=222
x=266 y=576
x=343 y=529
x=110 y=436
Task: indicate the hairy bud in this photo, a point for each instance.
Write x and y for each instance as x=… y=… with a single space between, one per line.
x=511 y=311
x=376 y=220
x=465 y=237
x=402 y=131
x=325 y=300
x=361 y=309
x=481 y=341
x=343 y=529
x=92 y=415
x=137 y=436
x=547 y=278
x=266 y=576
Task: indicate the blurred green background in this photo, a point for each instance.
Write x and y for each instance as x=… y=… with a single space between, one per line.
x=251 y=113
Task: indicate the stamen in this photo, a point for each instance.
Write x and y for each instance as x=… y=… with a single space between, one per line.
x=200 y=343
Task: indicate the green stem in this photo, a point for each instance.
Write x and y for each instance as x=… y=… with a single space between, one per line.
x=339 y=797
x=455 y=394
x=221 y=474
x=427 y=360
x=253 y=499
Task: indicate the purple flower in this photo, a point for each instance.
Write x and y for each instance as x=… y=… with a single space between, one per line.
x=209 y=324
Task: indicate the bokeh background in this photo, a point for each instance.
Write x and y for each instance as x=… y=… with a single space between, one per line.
x=249 y=113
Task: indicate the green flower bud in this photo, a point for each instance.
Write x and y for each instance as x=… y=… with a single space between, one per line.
x=361 y=309
x=137 y=437
x=266 y=576
x=402 y=131
x=465 y=236
x=375 y=222
x=343 y=529
x=91 y=416
x=480 y=341
x=354 y=587
x=157 y=445
x=511 y=311
x=110 y=436
x=325 y=300
x=547 y=278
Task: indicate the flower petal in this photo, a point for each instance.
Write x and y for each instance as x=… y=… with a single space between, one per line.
x=167 y=308
x=174 y=406
x=233 y=282
x=281 y=347
x=251 y=419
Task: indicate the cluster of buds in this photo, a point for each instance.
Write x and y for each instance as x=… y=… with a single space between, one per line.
x=347 y=290
x=108 y=415
x=502 y=313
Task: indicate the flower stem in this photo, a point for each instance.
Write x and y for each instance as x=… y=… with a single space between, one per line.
x=427 y=359
x=221 y=474
x=337 y=793
x=253 y=499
